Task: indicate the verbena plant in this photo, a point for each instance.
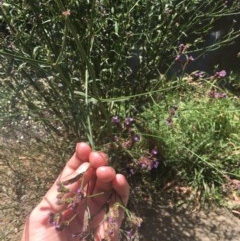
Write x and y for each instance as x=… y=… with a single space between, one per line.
x=73 y=65
x=197 y=129
x=189 y=134
x=95 y=70
x=71 y=62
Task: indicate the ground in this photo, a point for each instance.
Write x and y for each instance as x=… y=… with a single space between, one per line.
x=169 y=224
x=19 y=192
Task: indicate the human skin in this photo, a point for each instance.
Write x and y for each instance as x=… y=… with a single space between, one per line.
x=102 y=181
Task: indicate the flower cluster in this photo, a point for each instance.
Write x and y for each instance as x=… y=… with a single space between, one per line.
x=126 y=139
x=216 y=95
x=112 y=221
x=61 y=220
x=172 y=113
x=198 y=75
x=74 y=210
x=133 y=224
x=182 y=48
x=150 y=160
x=146 y=162
x=220 y=74
x=182 y=57
x=128 y=136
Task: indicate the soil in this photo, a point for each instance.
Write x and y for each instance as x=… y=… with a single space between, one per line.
x=169 y=224
x=159 y=223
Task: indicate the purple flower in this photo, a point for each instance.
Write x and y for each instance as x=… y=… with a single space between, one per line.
x=148 y=163
x=155 y=164
x=79 y=190
x=190 y=59
x=59 y=227
x=128 y=121
x=182 y=48
x=115 y=119
x=220 y=95
x=136 y=138
x=145 y=162
x=111 y=219
x=177 y=59
x=130 y=171
x=154 y=151
x=198 y=74
x=51 y=218
x=221 y=74
x=143 y=165
x=79 y=194
x=130 y=234
x=116 y=138
x=217 y=95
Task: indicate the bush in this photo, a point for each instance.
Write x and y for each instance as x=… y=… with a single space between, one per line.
x=96 y=71
x=197 y=127
x=71 y=63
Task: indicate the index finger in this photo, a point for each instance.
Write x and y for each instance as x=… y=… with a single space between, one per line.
x=81 y=155
x=77 y=164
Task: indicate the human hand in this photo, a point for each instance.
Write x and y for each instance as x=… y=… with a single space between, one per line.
x=91 y=206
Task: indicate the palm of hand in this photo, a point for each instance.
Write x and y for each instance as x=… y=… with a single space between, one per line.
x=96 y=214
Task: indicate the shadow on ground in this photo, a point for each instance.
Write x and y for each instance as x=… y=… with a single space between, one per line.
x=205 y=225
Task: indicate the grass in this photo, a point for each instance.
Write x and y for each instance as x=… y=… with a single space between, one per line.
x=195 y=136
x=201 y=143
x=194 y=132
